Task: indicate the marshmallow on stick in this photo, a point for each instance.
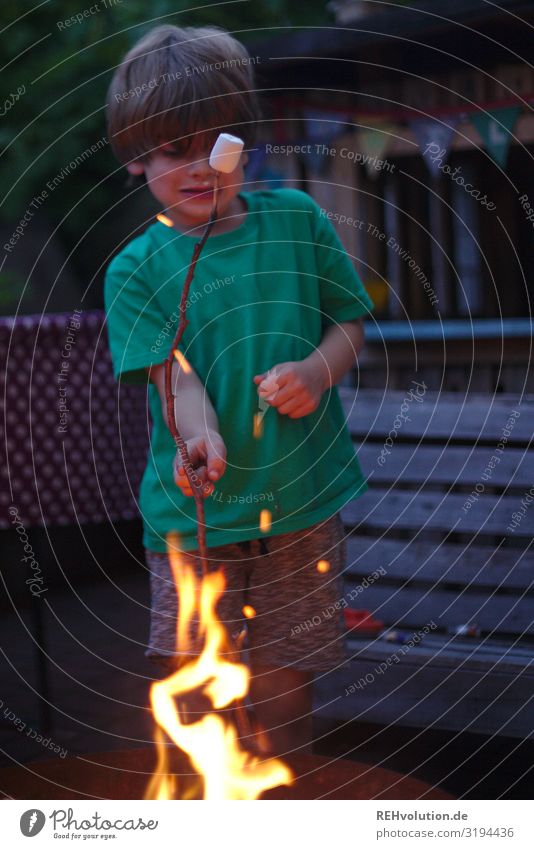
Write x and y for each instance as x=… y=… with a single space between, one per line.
x=225 y=153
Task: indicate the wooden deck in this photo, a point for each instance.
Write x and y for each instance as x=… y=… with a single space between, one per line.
x=438 y=522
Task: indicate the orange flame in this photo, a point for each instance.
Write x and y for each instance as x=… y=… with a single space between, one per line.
x=257 y=425
x=323 y=566
x=184 y=365
x=228 y=771
x=164 y=219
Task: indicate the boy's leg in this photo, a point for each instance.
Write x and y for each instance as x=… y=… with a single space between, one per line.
x=299 y=627
x=296 y=631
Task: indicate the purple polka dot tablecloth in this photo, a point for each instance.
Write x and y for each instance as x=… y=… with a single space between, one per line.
x=75 y=441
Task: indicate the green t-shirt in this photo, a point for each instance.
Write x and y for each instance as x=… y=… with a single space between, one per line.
x=262 y=295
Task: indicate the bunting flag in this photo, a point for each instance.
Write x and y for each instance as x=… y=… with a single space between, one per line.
x=274 y=178
x=373 y=143
x=495 y=129
x=434 y=139
x=258 y=169
x=323 y=127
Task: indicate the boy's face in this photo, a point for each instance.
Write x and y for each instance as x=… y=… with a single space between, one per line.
x=184 y=183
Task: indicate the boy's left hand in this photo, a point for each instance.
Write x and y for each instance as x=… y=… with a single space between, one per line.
x=298 y=387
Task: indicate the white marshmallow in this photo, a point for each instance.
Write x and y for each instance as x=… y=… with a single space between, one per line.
x=225 y=153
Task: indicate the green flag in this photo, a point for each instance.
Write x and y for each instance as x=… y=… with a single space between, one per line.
x=373 y=143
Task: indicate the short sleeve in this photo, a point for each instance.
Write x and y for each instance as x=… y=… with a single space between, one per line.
x=342 y=293
x=134 y=320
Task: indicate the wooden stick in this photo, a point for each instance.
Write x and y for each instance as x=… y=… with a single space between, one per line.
x=244 y=726
x=196 y=486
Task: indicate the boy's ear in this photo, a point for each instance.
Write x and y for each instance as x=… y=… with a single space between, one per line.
x=135 y=168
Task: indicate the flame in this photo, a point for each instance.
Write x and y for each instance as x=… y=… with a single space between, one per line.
x=248 y=611
x=265 y=521
x=323 y=566
x=182 y=361
x=228 y=771
x=257 y=426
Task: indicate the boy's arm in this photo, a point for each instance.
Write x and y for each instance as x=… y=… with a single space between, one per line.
x=196 y=420
x=297 y=388
x=299 y=385
x=193 y=409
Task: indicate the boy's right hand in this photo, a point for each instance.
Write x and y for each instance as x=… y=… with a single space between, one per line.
x=208 y=462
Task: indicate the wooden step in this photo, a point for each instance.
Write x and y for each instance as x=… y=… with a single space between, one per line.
x=446 y=688
x=444 y=416
x=434 y=465
x=450 y=563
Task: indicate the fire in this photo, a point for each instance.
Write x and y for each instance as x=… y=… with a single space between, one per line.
x=323 y=566
x=228 y=771
x=184 y=365
x=257 y=426
x=164 y=219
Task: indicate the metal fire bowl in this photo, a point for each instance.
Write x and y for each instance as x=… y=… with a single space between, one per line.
x=125 y=774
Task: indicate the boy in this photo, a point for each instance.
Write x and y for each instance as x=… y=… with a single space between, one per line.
x=275 y=306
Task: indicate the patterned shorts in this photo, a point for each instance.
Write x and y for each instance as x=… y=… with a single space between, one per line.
x=299 y=608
